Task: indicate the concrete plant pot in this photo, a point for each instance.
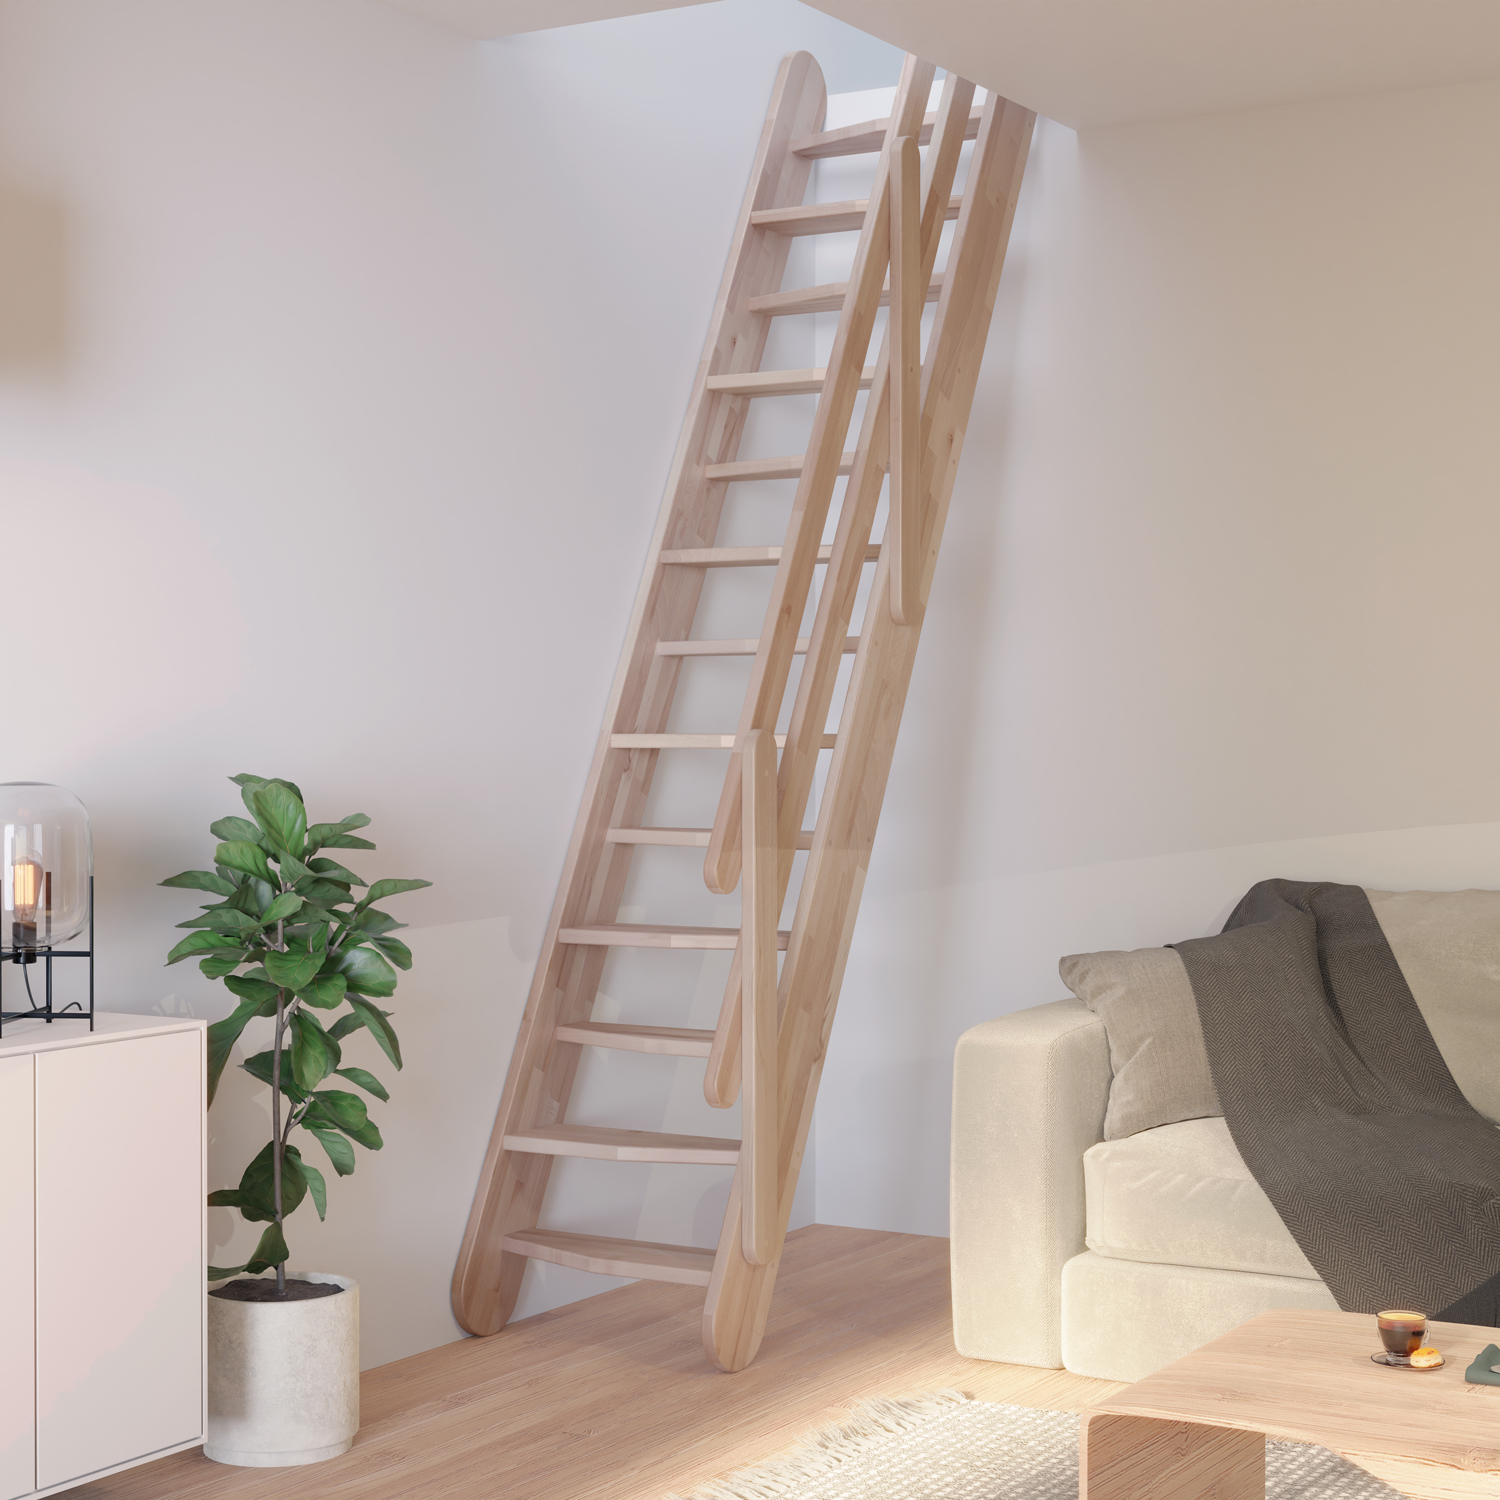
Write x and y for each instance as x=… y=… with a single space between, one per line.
x=283 y=1377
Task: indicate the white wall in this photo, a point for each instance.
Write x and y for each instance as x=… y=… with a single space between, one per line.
x=1216 y=601
x=341 y=363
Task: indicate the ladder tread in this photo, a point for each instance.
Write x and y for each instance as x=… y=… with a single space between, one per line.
x=789 y=467
x=692 y=741
x=829 y=297
x=608 y=1256
x=869 y=136
x=687 y=838
x=610 y=1143
x=660 y=1041
x=828 y=218
x=655 y=935
x=744 y=646
x=779 y=382
x=744 y=557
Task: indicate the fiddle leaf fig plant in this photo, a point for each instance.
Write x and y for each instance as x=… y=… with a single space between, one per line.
x=290 y=938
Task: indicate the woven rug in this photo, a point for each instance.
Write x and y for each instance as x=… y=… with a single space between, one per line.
x=946 y=1447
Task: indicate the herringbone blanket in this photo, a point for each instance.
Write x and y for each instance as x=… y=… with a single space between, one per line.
x=1342 y=1106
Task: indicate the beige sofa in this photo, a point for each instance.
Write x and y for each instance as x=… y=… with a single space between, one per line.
x=1111 y=1258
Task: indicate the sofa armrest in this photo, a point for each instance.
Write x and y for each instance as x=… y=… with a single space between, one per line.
x=1029 y=1092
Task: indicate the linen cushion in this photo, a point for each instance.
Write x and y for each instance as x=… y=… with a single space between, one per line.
x=1155 y=1042
x=1182 y=1195
x=1448 y=946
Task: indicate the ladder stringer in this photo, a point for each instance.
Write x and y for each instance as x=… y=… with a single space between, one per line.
x=734 y=1315
x=512 y=1184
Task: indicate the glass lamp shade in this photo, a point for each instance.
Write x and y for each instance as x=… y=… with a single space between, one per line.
x=46 y=858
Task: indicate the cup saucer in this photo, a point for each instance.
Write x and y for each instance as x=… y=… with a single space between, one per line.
x=1403 y=1361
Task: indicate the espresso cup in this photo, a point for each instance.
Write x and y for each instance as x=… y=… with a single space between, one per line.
x=1402 y=1331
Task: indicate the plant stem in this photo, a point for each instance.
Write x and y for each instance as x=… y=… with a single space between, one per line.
x=278 y=1144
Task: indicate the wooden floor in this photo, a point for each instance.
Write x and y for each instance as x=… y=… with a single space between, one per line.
x=612 y=1399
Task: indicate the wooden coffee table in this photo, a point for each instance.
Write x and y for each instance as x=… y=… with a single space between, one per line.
x=1194 y=1429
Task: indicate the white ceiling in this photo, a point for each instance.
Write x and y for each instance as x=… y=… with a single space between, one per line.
x=492 y=18
x=1094 y=62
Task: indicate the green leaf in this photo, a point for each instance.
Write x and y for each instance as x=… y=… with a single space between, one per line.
x=323 y=834
x=367 y=1081
x=259 y=1066
x=370 y=920
x=225 y=1198
x=340 y=1107
x=340 y=1152
x=312 y=1059
x=221 y=965
x=252 y=989
x=257 y=1186
x=222 y=1036
x=383 y=888
x=202 y=880
x=323 y=891
x=282 y=907
x=346 y=841
x=270 y=1253
x=316 y=1187
x=281 y=813
x=395 y=950
x=241 y=829
x=231 y=920
x=249 y=784
x=325 y=991
x=240 y=854
x=380 y=1028
x=367 y=972
x=331 y=869
x=221 y=1273
x=293 y=969
x=199 y=942
x=344 y=1025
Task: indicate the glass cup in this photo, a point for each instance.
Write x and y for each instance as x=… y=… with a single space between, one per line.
x=1402 y=1331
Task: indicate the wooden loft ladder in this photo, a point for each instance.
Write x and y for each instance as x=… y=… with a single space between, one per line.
x=772 y=1031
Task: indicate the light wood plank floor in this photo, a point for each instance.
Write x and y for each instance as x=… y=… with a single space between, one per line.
x=612 y=1399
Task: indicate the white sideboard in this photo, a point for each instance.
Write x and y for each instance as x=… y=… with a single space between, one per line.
x=103 y=1148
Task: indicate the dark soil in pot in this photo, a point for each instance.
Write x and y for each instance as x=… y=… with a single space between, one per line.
x=263 y=1289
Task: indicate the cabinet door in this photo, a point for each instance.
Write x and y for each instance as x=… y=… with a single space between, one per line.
x=119 y=1276
x=17 y=1280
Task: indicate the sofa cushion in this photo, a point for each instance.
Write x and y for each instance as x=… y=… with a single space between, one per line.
x=1155 y=1042
x=1181 y=1195
x=1448 y=946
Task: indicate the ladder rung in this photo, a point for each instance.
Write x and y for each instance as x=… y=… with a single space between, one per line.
x=607 y=1256
x=748 y=646
x=606 y=1143
x=644 y=935
x=745 y=557
x=687 y=838
x=869 y=135
x=826 y=298
x=827 y=218
x=789 y=467
x=779 y=382
x=660 y=1041
x=692 y=741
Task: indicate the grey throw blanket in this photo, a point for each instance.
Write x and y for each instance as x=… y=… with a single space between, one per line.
x=1342 y=1106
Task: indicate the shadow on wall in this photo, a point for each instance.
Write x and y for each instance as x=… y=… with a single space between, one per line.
x=33 y=282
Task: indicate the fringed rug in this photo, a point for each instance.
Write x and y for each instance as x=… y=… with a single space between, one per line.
x=944 y=1446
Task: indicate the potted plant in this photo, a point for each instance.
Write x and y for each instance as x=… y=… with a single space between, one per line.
x=290 y=938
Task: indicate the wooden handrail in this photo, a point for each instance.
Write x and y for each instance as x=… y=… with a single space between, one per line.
x=908 y=294
x=760 y=908
x=825 y=451
x=841 y=584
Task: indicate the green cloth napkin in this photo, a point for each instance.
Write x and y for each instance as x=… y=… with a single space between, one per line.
x=1480 y=1373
